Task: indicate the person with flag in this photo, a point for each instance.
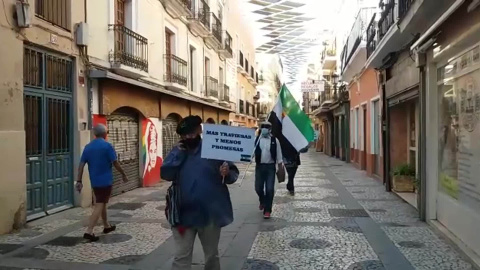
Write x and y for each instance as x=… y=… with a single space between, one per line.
x=293 y=129
x=268 y=153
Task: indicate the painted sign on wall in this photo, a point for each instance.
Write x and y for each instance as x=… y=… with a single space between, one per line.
x=151 y=150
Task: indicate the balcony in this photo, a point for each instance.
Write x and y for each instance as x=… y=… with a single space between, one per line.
x=251 y=77
x=176 y=73
x=371 y=36
x=226 y=49
x=130 y=54
x=54 y=12
x=199 y=22
x=241 y=62
x=214 y=39
x=387 y=18
x=225 y=95
x=354 y=54
x=211 y=88
x=178 y=8
x=241 y=107
x=400 y=21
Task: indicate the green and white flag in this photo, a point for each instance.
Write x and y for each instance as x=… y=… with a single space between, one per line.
x=290 y=125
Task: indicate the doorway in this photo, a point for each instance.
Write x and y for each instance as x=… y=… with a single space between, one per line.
x=376 y=137
x=48 y=95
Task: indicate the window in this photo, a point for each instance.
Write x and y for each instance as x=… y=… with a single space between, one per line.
x=56 y=12
x=168 y=52
x=192 y=67
x=220 y=76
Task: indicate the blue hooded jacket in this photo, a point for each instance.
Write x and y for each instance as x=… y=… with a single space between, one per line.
x=204 y=199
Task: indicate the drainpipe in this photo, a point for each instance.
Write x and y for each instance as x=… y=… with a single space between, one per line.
x=422 y=203
x=386 y=141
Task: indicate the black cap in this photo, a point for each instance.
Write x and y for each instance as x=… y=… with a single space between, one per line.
x=189 y=124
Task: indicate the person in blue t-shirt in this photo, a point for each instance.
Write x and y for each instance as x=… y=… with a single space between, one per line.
x=99 y=155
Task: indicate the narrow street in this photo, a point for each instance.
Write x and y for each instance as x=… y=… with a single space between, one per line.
x=338 y=219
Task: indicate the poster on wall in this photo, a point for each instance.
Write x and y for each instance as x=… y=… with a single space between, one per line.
x=151 y=150
x=460 y=129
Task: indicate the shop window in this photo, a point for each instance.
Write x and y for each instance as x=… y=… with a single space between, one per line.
x=459 y=126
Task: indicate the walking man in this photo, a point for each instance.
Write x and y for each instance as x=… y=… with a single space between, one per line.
x=268 y=153
x=291 y=164
x=99 y=155
x=205 y=206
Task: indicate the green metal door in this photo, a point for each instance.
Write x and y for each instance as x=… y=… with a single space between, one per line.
x=48 y=132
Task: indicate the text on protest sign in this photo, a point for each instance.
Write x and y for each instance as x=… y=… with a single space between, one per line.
x=227 y=143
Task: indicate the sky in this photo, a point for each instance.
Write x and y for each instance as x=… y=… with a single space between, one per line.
x=329 y=18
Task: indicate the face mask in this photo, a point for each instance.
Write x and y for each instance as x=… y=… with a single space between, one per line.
x=193 y=143
x=265 y=132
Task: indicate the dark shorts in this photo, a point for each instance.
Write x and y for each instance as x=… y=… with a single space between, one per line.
x=102 y=194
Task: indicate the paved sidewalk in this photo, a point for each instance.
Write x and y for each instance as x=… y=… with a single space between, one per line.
x=338 y=219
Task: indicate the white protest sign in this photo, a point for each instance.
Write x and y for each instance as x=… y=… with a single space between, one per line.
x=312 y=86
x=227 y=143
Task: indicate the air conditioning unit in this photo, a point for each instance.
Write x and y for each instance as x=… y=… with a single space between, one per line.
x=22 y=11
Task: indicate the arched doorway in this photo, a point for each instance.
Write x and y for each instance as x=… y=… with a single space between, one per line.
x=169 y=133
x=123 y=126
x=210 y=121
x=224 y=122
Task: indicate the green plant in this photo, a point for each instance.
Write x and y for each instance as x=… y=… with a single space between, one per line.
x=404 y=170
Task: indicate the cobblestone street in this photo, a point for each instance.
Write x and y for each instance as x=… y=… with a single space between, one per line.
x=338 y=219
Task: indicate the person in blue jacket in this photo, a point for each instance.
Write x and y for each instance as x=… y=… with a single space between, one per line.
x=205 y=205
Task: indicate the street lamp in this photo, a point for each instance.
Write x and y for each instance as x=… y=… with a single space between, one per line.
x=335 y=78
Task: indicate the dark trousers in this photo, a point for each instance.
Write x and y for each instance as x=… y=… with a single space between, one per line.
x=291 y=175
x=265 y=184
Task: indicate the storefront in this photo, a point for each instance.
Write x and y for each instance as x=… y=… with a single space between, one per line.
x=142 y=122
x=453 y=127
x=341 y=134
x=401 y=93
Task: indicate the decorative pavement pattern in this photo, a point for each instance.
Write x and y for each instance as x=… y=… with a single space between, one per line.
x=339 y=219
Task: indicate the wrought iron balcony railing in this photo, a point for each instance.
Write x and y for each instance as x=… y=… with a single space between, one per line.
x=241 y=59
x=216 y=28
x=227 y=43
x=176 y=69
x=211 y=85
x=225 y=93
x=357 y=35
x=387 y=18
x=130 y=49
x=187 y=3
x=403 y=7
x=241 y=106
x=371 y=36
x=55 y=12
x=202 y=14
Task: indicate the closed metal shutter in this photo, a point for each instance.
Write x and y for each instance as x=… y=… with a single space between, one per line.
x=123 y=134
x=169 y=133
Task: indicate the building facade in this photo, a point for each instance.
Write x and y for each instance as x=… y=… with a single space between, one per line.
x=246 y=74
x=428 y=57
x=74 y=68
x=451 y=72
x=270 y=71
x=44 y=117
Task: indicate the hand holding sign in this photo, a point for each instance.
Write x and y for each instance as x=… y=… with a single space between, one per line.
x=224 y=169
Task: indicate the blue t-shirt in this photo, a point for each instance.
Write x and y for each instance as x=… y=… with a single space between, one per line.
x=99 y=155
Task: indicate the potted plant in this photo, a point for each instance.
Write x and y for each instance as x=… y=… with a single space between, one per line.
x=404 y=178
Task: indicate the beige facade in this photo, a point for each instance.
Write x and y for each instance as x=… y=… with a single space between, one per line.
x=244 y=90
x=44 y=37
